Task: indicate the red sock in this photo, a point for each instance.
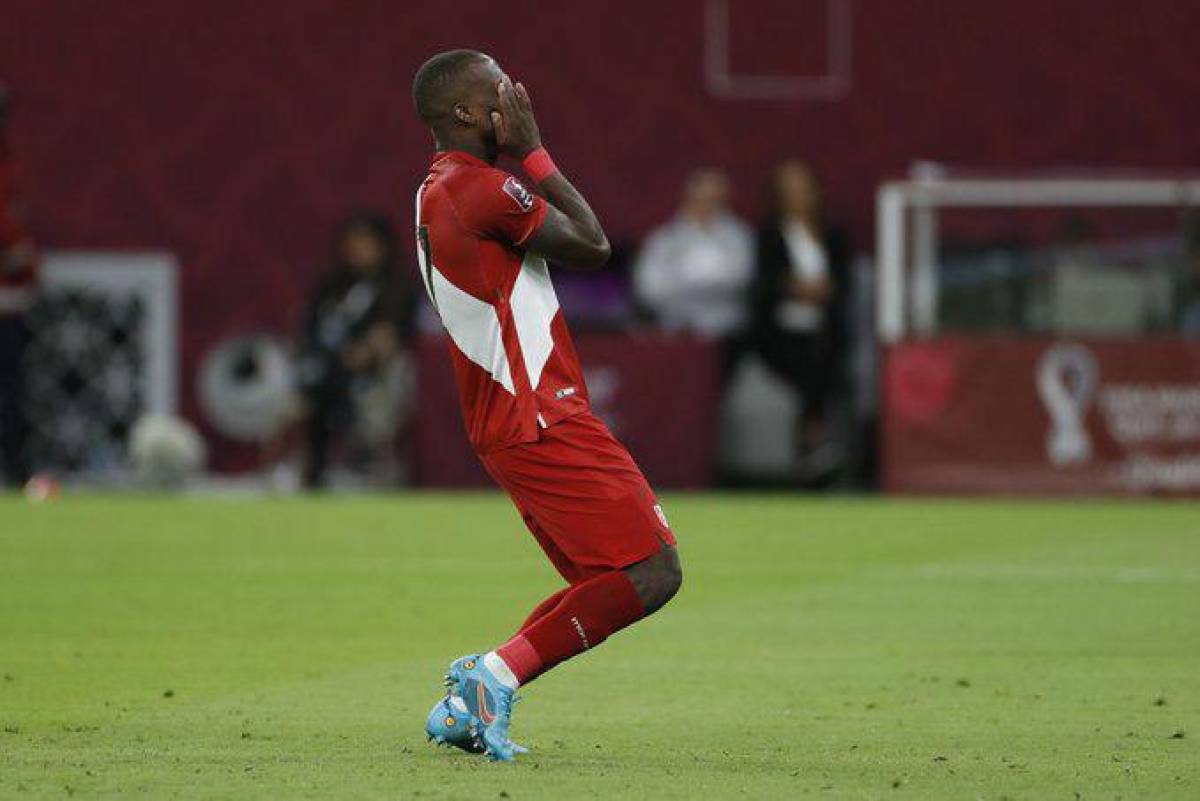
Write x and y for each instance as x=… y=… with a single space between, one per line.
x=541 y=609
x=584 y=617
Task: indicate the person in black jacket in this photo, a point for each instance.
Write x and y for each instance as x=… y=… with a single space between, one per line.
x=798 y=302
x=18 y=286
x=359 y=313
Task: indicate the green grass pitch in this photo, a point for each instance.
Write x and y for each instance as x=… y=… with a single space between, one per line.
x=844 y=649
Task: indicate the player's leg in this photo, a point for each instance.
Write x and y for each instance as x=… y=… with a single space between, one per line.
x=573 y=620
x=462 y=717
x=588 y=614
x=570 y=572
x=657 y=579
x=592 y=512
x=654 y=579
x=585 y=615
x=544 y=608
x=611 y=542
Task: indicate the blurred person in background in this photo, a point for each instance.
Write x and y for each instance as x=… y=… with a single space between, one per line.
x=1189 y=316
x=358 y=319
x=18 y=283
x=693 y=272
x=798 y=303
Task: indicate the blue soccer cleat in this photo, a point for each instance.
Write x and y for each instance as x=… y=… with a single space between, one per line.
x=449 y=723
x=489 y=702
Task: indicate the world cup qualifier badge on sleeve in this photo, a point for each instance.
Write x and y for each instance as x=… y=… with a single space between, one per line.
x=517 y=191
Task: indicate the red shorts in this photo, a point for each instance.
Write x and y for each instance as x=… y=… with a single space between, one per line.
x=582 y=496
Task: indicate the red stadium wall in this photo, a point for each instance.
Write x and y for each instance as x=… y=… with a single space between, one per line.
x=1042 y=416
x=657 y=393
x=234 y=134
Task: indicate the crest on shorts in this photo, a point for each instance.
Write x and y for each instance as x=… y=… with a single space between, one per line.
x=517 y=191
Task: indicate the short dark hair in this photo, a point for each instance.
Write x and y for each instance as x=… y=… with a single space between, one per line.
x=435 y=77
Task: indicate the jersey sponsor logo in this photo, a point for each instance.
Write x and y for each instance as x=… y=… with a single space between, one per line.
x=662 y=516
x=517 y=191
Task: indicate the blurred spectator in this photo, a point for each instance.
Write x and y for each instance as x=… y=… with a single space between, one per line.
x=693 y=272
x=18 y=282
x=798 y=301
x=359 y=316
x=1189 y=318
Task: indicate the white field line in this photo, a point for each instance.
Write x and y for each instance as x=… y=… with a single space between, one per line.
x=1010 y=572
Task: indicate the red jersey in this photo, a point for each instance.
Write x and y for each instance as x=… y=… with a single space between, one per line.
x=515 y=364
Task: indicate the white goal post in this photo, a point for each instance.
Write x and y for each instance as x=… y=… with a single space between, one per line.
x=907 y=228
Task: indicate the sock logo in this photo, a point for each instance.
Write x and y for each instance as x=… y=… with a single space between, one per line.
x=582 y=634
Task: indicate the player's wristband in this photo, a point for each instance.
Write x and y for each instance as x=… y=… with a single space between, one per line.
x=538 y=165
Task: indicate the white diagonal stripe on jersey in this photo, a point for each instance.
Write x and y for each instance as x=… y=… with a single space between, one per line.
x=471 y=323
x=534 y=305
x=474 y=327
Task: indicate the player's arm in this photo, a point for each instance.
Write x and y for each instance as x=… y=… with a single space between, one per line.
x=571 y=232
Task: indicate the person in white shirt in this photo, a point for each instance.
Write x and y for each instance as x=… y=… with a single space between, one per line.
x=797 y=301
x=693 y=272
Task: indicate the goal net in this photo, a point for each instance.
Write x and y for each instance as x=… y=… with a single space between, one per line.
x=1041 y=333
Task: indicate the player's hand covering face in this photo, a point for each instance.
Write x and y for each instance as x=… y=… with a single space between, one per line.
x=516 y=130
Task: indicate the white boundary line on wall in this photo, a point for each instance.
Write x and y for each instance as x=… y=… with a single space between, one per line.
x=834 y=84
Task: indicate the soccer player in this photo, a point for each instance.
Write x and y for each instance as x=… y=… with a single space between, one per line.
x=483 y=240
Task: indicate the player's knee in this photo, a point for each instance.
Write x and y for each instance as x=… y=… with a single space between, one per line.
x=672 y=576
x=656 y=579
x=666 y=581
